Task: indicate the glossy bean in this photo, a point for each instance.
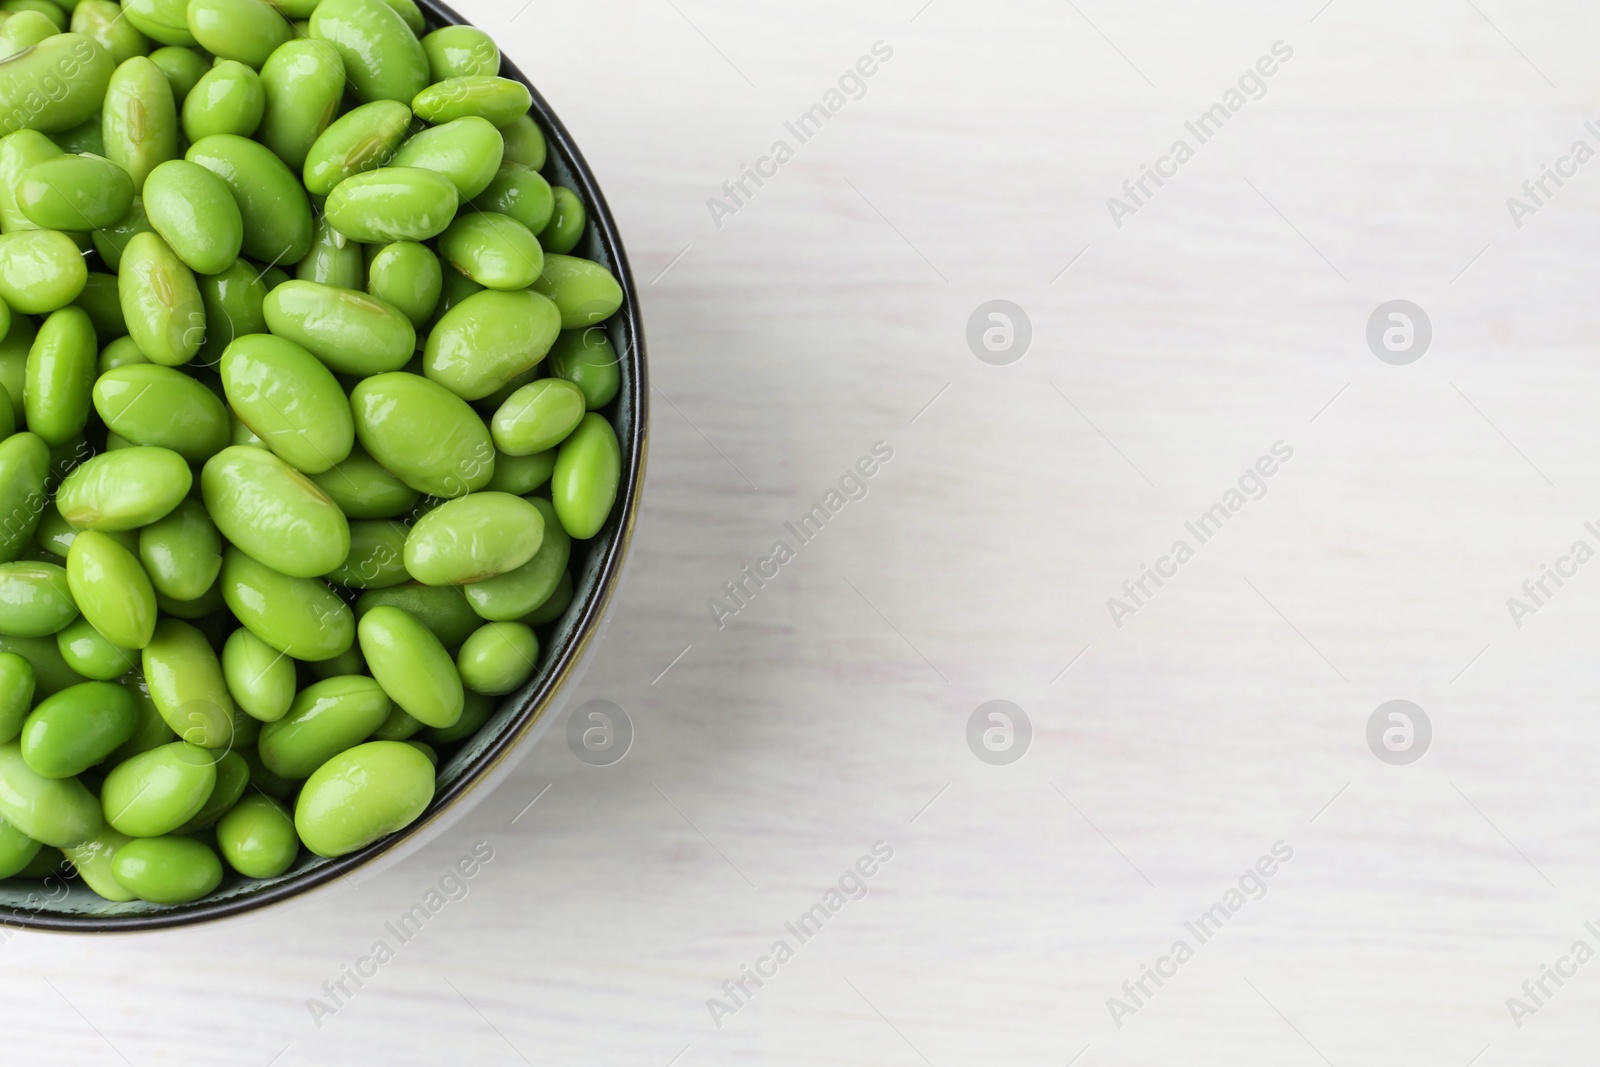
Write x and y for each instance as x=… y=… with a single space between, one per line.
x=61 y=368
x=17 y=685
x=139 y=123
x=381 y=54
x=87 y=651
x=77 y=728
x=334 y=259
x=567 y=221
x=50 y=671
x=111 y=240
x=468 y=151
x=525 y=143
x=363 y=489
x=362 y=795
x=228 y=99
x=377 y=556
x=273 y=512
x=56 y=84
x=160 y=301
x=350 y=331
x=299 y=616
x=234 y=301
x=291 y=401
x=494 y=250
x=407 y=276
x=17 y=850
x=277 y=215
x=184 y=67
x=160 y=20
x=104 y=306
x=20 y=151
x=488 y=339
x=148 y=404
x=34 y=599
x=112 y=590
x=411 y=13
x=326 y=719
x=500 y=100
x=304 y=82
x=475 y=712
x=40 y=271
x=393 y=204
x=58 y=812
x=362 y=139
x=185 y=681
x=24 y=467
x=195 y=214
x=103 y=21
x=158 y=791
x=260 y=678
x=167 y=870
x=24 y=29
x=584 y=291
x=586 y=358
x=14 y=360
x=123 y=490
x=511 y=596
x=588 y=471
x=233 y=778
x=92 y=860
x=538 y=417
x=521 y=193
x=423 y=433
x=440 y=608
x=74 y=193
x=258 y=838
x=555 y=606
x=498 y=658
x=411 y=664
x=182 y=553
x=474 y=538
x=244 y=30
x=521 y=475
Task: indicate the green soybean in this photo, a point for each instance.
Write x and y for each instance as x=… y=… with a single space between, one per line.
x=273 y=512
x=92 y=860
x=468 y=151
x=87 y=651
x=34 y=599
x=397 y=727
x=298 y=616
x=24 y=468
x=426 y=435
x=161 y=20
x=17 y=684
x=23 y=30
x=555 y=605
x=412 y=665
x=474 y=538
x=352 y=332
x=521 y=193
x=103 y=305
x=494 y=250
x=182 y=553
x=442 y=609
x=244 y=30
x=148 y=404
x=87 y=137
x=521 y=475
x=111 y=241
x=498 y=658
x=588 y=471
x=14 y=360
x=167 y=870
x=363 y=489
x=411 y=13
x=260 y=678
x=77 y=728
x=326 y=719
x=59 y=812
x=567 y=221
x=406 y=275
x=488 y=339
x=277 y=215
x=228 y=99
x=60 y=376
x=123 y=490
x=460 y=51
x=17 y=850
x=538 y=417
x=500 y=100
x=158 y=791
x=160 y=301
x=362 y=139
x=102 y=20
x=333 y=260
x=381 y=54
x=56 y=84
x=584 y=291
x=525 y=143
x=74 y=193
x=511 y=596
x=233 y=778
x=289 y=400
x=20 y=151
x=586 y=358
x=184 y=67
x=40 y=271
x=51 y=673
x=393 y=204
x=363 y=794
x=195 y=214
x=475 y=712
x=112 y=590
x=139 y=123
x=377 y=556
x=185 y=681
x=57 y=11
x=233 y=301
x=258 y=838
x=304 y=82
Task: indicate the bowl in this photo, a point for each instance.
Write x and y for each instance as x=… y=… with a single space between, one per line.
x=468 y=775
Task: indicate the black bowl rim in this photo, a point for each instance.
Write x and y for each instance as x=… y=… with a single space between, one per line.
x=616 y=538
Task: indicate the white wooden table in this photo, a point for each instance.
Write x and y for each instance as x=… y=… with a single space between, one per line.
x=1227 y=714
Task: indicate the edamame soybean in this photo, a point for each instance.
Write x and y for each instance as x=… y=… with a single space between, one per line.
x=460 y=51
x=298 y=616
x=363 y=794
x=512 y=596
x=363 y=489
x=525 y=143
x=123 y=490
x=34 y=599
x=273 y=512
x=160 y=301
x=498 y=658
x=352 y=332
x=148 y=404
x=500 y=100
x=182 y=552
x=584 y=291
x=186 y=683
x=362 y=139
x=77 y=728
x=407 y=276
x=59 y=812
x=61 y=368
x=567 y=221
x=16 y=694
x=112 y=590
x=426 y=435
x=74 y=193
x=468 y=151
x=260 y=678
x=139 y=123
x=304 y=82
x=103 y=21
x=160 y=20
x=377 y=556
x=184 y=67
x=494 y=250
x=393 y=204
x=442 y=609
x=289 y=400
x=488 y=339
x=258 y=837
x=229 y=98
x=411 y=665
x=24 y=467
x=248 y=31
x=383 y=58
x=166 y=870
x=87 y=651
x=272 y=202
x=586 y=358
x=524 y=195
x=588 y=471
x=334 y=259
x=40 y=271
x=326 y=719
x=538 y=417
x=56 y=84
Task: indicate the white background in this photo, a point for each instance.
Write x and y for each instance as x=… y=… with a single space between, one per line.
x=1227 y=715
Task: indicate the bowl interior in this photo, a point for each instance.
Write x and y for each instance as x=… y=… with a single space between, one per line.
x=62 y=903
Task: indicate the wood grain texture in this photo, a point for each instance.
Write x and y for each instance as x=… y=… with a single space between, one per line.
x=831 y=713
